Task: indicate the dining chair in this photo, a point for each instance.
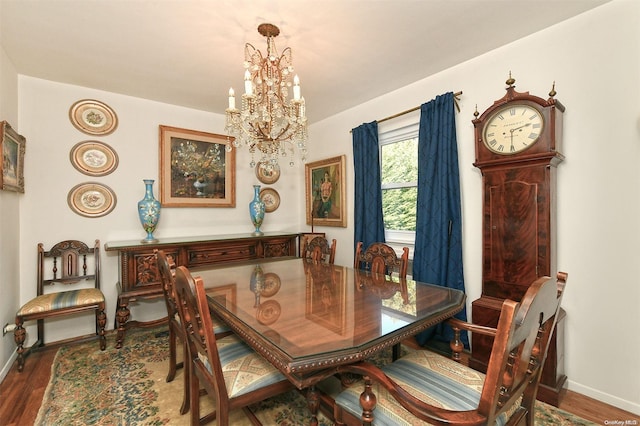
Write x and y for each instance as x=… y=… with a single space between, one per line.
x=166 y=269
x=232 y=373
x=381 y=258
x=64 y=272
x=319 y=250
x=427 y=387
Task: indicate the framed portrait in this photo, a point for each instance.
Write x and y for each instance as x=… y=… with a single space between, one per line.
x=12 y=147
x=196 y=169
x=325 y=192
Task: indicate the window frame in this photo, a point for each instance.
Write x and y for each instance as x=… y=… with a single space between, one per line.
x=397 y=130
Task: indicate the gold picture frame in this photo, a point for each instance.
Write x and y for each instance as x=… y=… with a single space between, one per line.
x=196 y=169
x=325 y=189
x=12 y=148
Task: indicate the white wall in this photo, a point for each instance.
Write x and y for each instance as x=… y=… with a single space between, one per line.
x=49 y=175
x=9 y=218
x=594 y=60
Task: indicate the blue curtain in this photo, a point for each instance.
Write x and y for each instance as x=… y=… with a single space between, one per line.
x=369 y=224
x=438 y=248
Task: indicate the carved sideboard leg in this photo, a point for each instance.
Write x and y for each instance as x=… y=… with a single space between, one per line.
x=122 y=316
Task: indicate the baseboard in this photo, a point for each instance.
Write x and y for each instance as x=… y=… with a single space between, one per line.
x=623 y=404
x=7 y=367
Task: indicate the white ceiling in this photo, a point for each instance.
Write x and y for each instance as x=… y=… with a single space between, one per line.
x=189 y=52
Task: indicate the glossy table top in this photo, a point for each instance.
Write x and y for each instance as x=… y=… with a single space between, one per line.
x=305 y=317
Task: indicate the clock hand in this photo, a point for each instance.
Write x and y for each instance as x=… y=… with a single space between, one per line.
x=519 y=127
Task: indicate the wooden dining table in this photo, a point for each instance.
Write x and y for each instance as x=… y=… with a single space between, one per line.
x=309 y=318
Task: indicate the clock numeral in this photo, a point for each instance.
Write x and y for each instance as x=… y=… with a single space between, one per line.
x=513 y=148
x=501 y=117
x=533 y=135
x=501 y=148
x=512 y=111
x=533 y=116
x=493 y=142
x=536 y=125
x=490 y=135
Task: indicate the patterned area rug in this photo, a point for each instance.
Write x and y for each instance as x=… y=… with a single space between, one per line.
x=128 y=387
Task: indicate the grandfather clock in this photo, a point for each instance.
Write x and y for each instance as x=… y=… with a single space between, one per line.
x=518 y=143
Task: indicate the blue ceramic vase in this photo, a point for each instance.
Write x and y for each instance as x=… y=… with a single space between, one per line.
x=149 y=212
x=256 y=210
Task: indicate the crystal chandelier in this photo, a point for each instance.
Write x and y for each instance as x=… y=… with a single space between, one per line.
x=268 y=123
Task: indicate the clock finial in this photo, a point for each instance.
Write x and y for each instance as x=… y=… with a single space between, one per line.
x=510 y=80
x=553 y=92
x=476 y=113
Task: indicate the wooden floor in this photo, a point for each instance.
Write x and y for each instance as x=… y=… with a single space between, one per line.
x=21 y=395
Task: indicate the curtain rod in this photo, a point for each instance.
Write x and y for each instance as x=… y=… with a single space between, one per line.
x=455 y=101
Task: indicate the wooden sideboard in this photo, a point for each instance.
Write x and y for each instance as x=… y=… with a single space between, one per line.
x=140 y=279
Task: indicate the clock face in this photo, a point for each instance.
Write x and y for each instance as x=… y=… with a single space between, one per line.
x=512 y=129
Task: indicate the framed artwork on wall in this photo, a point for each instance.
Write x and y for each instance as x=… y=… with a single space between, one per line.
x=325 y=192
x=12 y=148
x=196 y=169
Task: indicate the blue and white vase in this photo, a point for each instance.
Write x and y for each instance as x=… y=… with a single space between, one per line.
x=256 y=210
x=149 y=211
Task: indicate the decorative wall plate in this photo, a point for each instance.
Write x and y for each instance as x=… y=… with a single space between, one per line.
x=267 y=175
x=91 y=199
x=93 y=158
x=93 y=117
x=270 y=198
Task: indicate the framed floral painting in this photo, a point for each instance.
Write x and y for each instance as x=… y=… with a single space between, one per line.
x=326 y=192
x=196 y=169
x=12 y=148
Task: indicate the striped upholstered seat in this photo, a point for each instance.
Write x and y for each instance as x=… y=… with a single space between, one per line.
x=66 y=299
x=243 y=369
x=429 y=377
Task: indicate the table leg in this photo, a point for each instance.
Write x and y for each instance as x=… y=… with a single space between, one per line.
x=313 y=403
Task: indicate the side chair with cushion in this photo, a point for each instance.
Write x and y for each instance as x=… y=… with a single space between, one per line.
x=319 y=250
x=380 y=258
x=427 y=388
x=166 y=268
x=62 y=289
x=233 y=375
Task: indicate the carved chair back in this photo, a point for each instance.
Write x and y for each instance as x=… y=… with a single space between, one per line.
x=381 y=258
x=319 y=250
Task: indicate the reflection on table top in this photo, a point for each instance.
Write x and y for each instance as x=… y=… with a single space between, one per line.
x=305 y=316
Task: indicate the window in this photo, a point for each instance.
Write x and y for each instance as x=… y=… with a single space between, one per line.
x=399 y=175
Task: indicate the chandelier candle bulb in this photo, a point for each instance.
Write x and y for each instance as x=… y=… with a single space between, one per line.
x=232 y=99
x=248 y=87
x=296 y=88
